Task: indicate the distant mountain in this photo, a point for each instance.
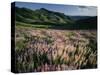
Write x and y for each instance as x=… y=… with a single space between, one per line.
x=88 y=20
x=42 y=16
x=75 y=18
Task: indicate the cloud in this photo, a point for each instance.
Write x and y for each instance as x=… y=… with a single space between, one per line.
x=88 y=10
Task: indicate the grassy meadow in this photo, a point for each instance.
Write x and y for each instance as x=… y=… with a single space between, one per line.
x=39 y=48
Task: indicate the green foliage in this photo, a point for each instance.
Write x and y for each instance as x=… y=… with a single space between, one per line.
x=20 y=44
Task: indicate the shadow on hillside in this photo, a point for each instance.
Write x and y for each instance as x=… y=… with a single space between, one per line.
x=69 y=26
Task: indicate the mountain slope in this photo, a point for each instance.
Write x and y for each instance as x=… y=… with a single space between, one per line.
x=90 y=23
x=76 y=18
x=54 y=20
x=41 y=16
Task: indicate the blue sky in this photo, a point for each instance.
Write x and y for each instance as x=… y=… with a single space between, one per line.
x=66 y=9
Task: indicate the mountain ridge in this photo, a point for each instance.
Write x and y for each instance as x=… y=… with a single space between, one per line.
x=41 y=15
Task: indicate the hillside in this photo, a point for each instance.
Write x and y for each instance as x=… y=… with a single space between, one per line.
x=42 y=16
x=89 y=23
x=76 y=18
x=53 y=20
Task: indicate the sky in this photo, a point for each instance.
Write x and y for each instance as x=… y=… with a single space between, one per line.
x=71 y=10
